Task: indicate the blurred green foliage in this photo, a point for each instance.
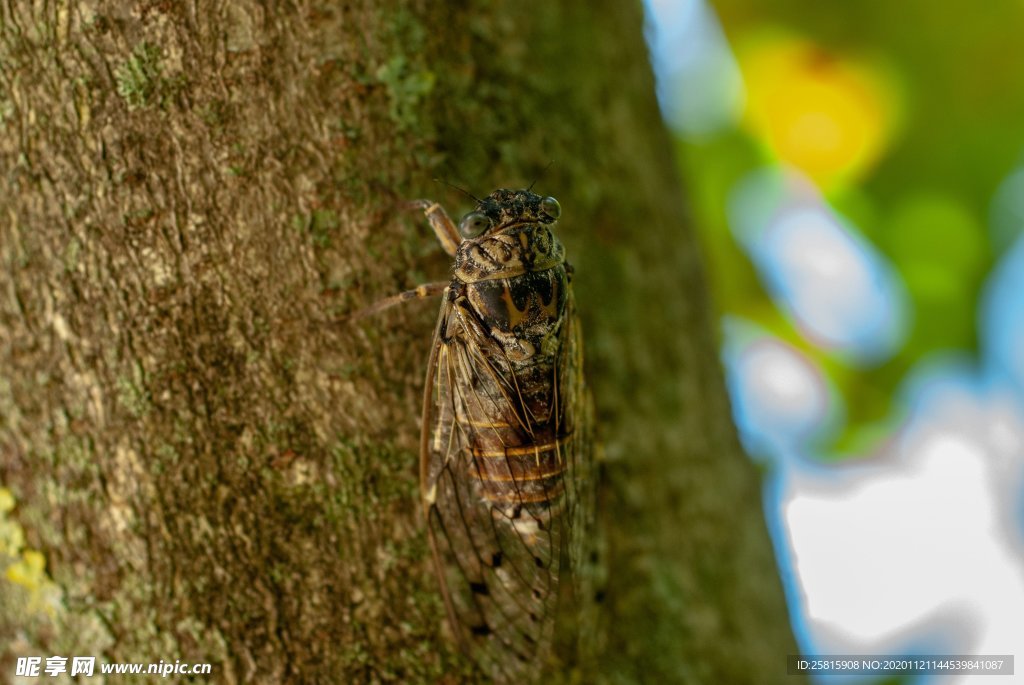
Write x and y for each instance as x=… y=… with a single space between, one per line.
x=942 y=86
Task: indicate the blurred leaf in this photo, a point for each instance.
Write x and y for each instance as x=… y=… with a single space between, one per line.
x=936 y=231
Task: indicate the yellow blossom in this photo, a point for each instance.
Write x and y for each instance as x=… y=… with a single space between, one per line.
x=827 y=115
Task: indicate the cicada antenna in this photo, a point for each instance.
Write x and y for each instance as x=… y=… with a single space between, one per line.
x=544 y=171
x=461 y=190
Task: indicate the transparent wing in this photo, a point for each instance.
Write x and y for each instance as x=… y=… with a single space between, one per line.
x=503 y=476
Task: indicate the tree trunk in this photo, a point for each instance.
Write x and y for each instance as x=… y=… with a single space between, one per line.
x=213 y=468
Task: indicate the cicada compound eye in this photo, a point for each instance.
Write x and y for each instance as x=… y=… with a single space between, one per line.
x=474 y=224
x=550 y=207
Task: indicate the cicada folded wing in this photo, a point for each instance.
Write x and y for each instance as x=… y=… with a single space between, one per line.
x=505 y=482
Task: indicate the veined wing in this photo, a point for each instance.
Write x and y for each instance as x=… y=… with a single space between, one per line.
x=501 y=457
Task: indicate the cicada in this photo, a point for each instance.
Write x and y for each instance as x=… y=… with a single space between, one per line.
x=505 y=473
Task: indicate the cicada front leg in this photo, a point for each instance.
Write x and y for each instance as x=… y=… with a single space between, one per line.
x=444 y=228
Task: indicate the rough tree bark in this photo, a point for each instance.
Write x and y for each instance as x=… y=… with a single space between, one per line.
x=212 y=470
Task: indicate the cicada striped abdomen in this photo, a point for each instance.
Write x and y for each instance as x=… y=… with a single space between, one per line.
x=504 y=463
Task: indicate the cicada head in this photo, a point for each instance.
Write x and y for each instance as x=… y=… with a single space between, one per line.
x=504 y=209
x=510 y=233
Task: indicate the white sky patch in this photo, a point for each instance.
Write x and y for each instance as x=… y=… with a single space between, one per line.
x=919 y=540
x=698 y=81
x=841 y=291
x=1002 y=315
x=918 y=548
x=834 y=284
x=787 y=380
x=885 y=552
x=780 y=396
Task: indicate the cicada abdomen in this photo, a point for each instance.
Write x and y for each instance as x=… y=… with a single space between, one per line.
x=505 y=464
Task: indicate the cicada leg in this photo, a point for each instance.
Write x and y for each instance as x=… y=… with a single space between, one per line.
x=446 y=234
x=419 y=292
x=442 y=224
